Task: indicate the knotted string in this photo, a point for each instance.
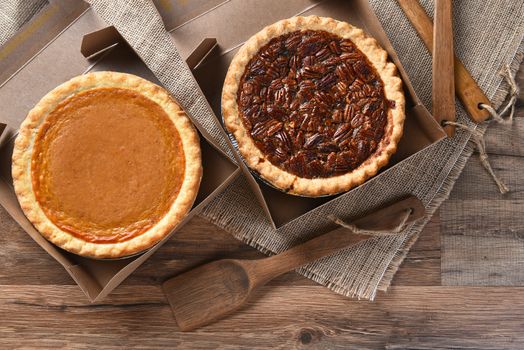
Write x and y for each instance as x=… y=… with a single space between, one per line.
x=359 y=231
x=510 y=106
x=478 y=138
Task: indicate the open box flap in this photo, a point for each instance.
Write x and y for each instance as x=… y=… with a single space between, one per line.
x=10 y=203
x=95 y=42
x=87 y=283
x=100 y=40
x=3 y=128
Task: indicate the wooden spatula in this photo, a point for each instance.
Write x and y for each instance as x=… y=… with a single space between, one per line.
x=443 y=63
x=211 y=291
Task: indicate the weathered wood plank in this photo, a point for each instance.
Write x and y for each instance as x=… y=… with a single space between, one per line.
x=482 y=242
x=476 y=184
x=482 y=231
x=40 y=307
x=197 y=243
x=506 y=139
x=421 y=267
x=284 y=317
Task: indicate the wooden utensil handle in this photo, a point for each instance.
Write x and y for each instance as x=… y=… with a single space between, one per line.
x=386 y=218
x=466 y=89
x=443 y=77
x=314 y=249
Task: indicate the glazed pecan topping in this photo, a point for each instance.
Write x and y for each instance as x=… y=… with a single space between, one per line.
x=313 y=104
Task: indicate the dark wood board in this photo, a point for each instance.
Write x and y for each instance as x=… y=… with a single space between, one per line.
x=442 y=297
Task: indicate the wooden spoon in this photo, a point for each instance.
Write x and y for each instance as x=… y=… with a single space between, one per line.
x=213 y=290
x=443 y=65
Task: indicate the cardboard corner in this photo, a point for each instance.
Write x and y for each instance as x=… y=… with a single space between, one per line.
x=4 y=134
x=201 y=52
x=85 y=281
x=101 y=40
x=95 y=42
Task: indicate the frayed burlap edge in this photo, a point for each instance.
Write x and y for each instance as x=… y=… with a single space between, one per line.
x=445 y=190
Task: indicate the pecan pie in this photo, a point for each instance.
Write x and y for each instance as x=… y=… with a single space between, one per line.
x=314 y=105
x=106 y=165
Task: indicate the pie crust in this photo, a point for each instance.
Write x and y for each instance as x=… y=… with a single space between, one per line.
x=175 y=206
x=253 y=155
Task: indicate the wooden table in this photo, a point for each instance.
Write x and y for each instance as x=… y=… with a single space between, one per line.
x=462 y=284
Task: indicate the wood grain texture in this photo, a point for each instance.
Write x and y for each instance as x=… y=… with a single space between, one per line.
x=506 y=139
x=484 y=244
x=281 y=317
x=443 y=85
x=482 y=231
x=476 y=184
x=421 y=267
x=40 y=307
x=211 y=291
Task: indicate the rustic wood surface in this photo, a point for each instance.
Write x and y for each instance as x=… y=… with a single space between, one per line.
x=211 y=291
x=461 y=286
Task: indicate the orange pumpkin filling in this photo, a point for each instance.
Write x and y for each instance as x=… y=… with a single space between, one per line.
x=107 y=165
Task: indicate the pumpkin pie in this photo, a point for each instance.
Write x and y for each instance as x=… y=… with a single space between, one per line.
x=314 y=105
x=106 y=165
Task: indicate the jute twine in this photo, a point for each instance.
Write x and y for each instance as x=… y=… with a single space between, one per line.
x=478 y=138
x=359 y=231
x=372 y=233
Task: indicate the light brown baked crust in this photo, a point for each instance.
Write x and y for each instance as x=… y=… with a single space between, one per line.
x=22 y=156
x=253 y=156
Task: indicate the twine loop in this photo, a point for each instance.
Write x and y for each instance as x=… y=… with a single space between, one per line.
x=478 y=138
x=510 y=105
x=377 y=233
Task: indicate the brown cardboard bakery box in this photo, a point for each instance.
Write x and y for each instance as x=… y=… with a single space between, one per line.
x=233 y=22
x=57 y=39
x=47 y=52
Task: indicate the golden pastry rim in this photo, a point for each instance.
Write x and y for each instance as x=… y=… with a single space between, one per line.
x=22 y=155
x=280 y=178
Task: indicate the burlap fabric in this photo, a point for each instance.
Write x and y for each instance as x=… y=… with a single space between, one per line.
x=13 y=14
x=488 y=35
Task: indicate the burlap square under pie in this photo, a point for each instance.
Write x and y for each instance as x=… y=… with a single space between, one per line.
x=485 y=41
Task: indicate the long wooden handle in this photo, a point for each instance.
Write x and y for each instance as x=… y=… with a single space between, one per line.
x=443 y=88
x=466 y=89
x=319 y=247
x=329 y=243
